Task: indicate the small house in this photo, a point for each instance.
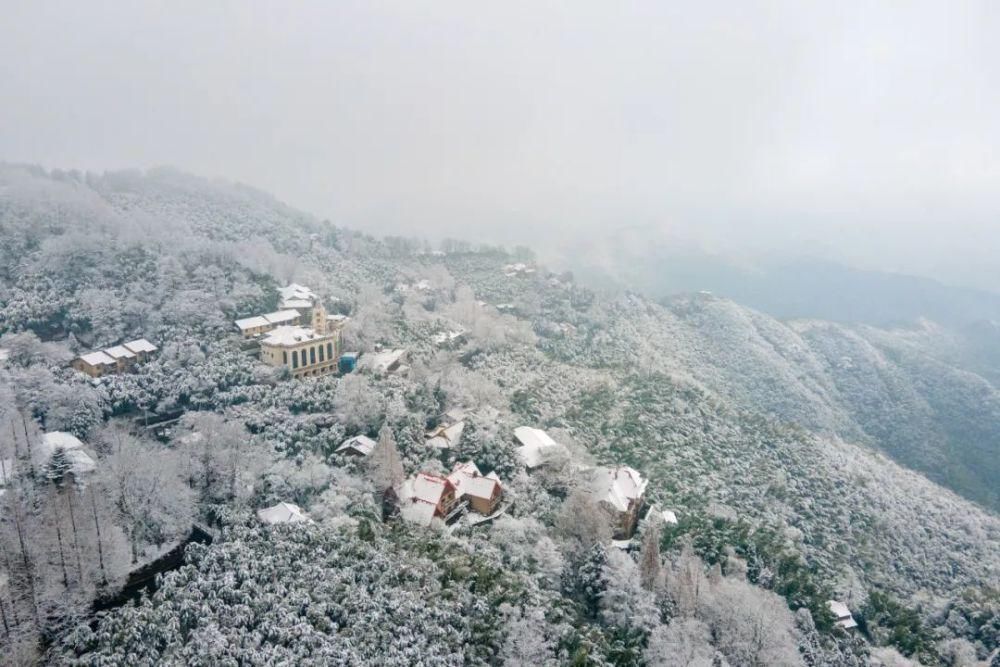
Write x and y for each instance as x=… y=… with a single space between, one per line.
x=844 y=618
x=282 y=513
x=142 y=348
x=80 y=463
x=388 y=361
x=450 y=337
x=359 y=445
x=622 y=491
x=483 y=493
x=445 y=436
x=425 y=497
x=297 y=297
x=537 y=447
x=96 y=364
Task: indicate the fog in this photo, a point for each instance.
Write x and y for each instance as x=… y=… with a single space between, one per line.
x=865 y=133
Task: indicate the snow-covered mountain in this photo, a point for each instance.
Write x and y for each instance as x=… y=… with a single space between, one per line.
x=805 y=459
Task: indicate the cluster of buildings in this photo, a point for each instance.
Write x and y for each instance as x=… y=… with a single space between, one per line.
x=426 y=497
x=620 y=490
x=113 y=360
x=301 y=336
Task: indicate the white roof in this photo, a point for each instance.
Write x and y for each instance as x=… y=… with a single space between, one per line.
x=141 y=345
x=4 y=354
x=618 y=486
x=252 y=322
x=447 y=336
x=79 y=462
x=280 y=316
x=119 y=351
x=419 y=513
x=288 y=336
x=669 y=517
x=469 y=481
x=382 y=361
x=536 y=445
x=283 y=513
x=296 y=303
x=839 y=609
x=361 y=443
x=98 y=358
x=447 y=437
x=425 y=487
x=296 y=291
x=54 y=440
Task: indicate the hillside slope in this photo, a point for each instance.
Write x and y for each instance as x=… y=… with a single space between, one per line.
x=761 y=435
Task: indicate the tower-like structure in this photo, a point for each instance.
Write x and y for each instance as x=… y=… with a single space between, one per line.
x=319 y=321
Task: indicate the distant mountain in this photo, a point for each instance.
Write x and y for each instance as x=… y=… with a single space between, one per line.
x=782 y=288
x=905 y=364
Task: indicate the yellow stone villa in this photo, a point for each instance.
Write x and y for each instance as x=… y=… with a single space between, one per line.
x=306 y=351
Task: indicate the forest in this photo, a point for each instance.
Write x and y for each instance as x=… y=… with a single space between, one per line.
x=805 y=461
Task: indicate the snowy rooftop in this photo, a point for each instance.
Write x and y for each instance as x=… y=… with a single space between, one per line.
x=296 y=303
x=252 y=322
x=361 y=443
x=382 y=362
x=97 y=358
x=419 y=513
x=446 y=437
x=281 y=316
x=79 y=462
x=289 y=336
x=296 y=291
x=468 y=481
x=59 y=440
x=839 y=609
x=4 y=354
x=141 y=345
x=425 y=487
x=618 y=487
x=283 y=513
x=119 y=352
x=444 y=337
x=536 y=446
x=843 y=614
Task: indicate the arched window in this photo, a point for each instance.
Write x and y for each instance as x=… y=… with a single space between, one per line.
x=295 y=359
x=312 y=355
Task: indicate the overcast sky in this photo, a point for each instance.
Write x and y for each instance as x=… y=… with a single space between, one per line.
x=868 y=133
